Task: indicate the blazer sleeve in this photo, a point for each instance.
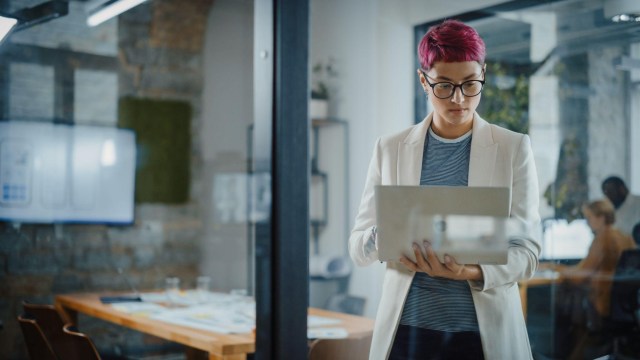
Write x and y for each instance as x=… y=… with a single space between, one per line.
x=366 y=218
x=524 y=249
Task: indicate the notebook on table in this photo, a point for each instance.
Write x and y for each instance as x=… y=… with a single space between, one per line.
x=470 y=224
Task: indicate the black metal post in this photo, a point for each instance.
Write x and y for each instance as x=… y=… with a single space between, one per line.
x=282 y=243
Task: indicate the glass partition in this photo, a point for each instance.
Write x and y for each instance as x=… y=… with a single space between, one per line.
x=566 y=74
x=127 y=153
x=560 y=71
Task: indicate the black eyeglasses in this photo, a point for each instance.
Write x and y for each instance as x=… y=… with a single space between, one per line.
x=446 y=89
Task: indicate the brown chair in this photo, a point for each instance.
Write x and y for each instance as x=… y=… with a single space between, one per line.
x=81 y=347
x=51 y=322
x=347 y=304
x=37 y=344
x=340 y=349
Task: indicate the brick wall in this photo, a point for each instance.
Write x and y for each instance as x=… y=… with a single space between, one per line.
x=159 y=55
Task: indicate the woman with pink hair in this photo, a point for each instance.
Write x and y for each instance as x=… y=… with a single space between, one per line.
x=435 y=310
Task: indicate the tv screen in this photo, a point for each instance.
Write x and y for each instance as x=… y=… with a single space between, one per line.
x=62 y=173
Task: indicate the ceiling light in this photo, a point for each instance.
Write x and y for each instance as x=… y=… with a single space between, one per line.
x=6 y=24
x=622 y=10
x=109 y=9
x=27 y=17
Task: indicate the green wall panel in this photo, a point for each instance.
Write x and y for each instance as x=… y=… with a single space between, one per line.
x=163 y=141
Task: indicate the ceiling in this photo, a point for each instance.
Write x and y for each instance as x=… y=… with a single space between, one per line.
x=579 y=24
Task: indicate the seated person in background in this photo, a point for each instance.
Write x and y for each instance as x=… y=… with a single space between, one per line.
x=627 y=205
x=596 y=269
x=591 y=279
x=635 y=234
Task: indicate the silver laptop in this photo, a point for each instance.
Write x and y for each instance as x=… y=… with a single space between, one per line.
x=469 y=223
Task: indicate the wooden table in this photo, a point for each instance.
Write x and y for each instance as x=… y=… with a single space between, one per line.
x=218 y=346
x=539 y=279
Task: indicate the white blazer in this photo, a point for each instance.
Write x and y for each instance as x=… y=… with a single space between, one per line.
x=499 y=157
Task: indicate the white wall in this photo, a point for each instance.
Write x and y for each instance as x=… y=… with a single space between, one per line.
x=372 y=42
x=228 y=84
x=227 y=111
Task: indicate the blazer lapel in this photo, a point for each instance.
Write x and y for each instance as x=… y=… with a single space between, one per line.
x=483 y=156
x=410 y=153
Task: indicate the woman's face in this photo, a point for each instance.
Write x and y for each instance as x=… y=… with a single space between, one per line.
x=457 y=110
x=596 y=223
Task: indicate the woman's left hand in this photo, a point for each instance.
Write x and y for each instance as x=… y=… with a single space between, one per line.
x=429 y=263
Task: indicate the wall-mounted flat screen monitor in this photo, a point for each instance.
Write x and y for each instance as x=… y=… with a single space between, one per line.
x=63 y=173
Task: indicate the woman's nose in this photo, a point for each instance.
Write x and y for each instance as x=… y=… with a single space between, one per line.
x=457 y=97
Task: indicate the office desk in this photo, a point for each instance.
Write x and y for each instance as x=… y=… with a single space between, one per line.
x=218 y=346
x=541 y=278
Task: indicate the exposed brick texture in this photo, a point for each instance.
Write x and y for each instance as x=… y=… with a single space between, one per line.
x=158 y=49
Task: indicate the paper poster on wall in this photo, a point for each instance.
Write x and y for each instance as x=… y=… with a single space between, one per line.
x=241 y=197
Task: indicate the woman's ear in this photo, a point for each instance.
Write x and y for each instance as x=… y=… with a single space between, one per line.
x=423 y=81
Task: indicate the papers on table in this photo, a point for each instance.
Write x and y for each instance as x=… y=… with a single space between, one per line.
x=217 y=312
x=209 y=318
x=139 y=308
x=327 y=333
x=316 y=331
x=179 y=298
x=313 y=320
x=154 y=297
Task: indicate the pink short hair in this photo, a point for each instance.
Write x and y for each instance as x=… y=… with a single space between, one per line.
x=450 y=41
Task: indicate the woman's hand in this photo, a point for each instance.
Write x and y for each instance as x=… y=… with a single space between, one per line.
x=429 y=263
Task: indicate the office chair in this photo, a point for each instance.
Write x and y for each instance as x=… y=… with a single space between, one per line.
x=340 y=349
x=37 y=344
x=622 y=322
x=51 y=323
x=81 y=347
x=621 y=326
x=347 y=304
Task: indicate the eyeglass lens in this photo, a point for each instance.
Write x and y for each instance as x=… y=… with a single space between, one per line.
x=469 y=88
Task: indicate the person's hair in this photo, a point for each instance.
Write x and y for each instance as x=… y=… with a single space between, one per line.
x=450 y=41
x=635 y=233
x=614 y=180
x=602 y=208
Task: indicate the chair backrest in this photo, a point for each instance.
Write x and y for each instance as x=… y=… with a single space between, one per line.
x=81 y=347
x=37 y=344
x=340 y=349
x=625 y=286
x=344 y=303
x=51 y=322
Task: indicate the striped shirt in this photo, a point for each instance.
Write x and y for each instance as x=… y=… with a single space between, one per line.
x=438 y=303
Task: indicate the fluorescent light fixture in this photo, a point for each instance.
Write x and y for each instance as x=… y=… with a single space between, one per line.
x=110 y=9
x=622 y=10
x=6 y=24
x=28 y=17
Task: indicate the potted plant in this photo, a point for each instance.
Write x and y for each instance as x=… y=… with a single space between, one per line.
x=319 y=105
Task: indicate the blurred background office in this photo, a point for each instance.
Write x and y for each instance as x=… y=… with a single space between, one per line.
x=180 y=76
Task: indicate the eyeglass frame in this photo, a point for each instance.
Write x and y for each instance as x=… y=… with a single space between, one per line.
x=453 y=92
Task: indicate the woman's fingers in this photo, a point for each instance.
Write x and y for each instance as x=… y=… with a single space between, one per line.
x=422 y=263
x=429 y=263
x=452 y=265
x=433 y=260
x=409 y=264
